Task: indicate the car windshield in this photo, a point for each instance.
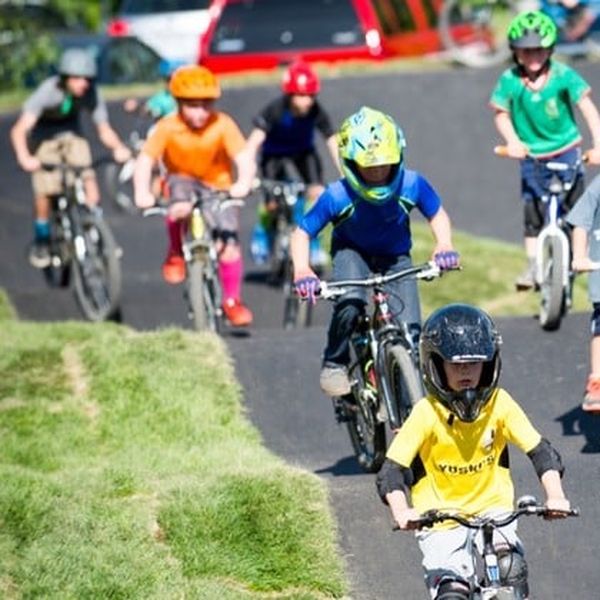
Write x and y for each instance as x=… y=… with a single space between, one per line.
x=141 y=7
x=275 y=25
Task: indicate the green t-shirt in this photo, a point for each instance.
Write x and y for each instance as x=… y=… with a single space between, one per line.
x=543 y=119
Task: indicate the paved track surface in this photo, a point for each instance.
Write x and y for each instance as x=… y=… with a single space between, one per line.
x=450 y=138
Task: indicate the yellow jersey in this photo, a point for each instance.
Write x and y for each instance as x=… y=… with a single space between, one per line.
x=465 y=464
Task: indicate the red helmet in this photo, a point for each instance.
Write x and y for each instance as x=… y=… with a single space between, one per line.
x=300 y=78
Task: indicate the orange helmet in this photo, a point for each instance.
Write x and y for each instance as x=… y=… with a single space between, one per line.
x=193 y=82
x=300 y=78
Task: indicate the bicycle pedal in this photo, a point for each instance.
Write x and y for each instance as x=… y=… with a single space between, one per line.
x=341 y=410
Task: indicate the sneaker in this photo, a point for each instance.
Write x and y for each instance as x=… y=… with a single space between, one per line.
x=237 y=313
x=591 y=400
x=334 y=380
x=259 y=245
x=173 y=269
x=526 y=280
x=39 y=254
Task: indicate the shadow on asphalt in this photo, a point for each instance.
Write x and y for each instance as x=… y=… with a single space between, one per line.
x=578 y=422
x=343 y=467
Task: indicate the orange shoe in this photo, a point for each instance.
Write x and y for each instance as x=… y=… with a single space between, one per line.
x=236 y=313
x=591 y=400
x=173 y=269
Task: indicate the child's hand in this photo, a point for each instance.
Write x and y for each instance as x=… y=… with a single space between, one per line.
x=403 y=518
x=239 y=190
x=584 y=264
x=558 y=508
x=593 y=156
x=516 y=149
x=308 y=286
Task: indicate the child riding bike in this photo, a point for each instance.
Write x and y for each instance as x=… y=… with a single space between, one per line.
x=199 y=145
x=49 y=131
x=533 y=103
x=284 y=134
x=451 y=453
x=369 y=210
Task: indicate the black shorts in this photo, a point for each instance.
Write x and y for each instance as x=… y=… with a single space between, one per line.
x=306 y=166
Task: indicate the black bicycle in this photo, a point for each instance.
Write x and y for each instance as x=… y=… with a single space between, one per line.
x=202 y=290
x=285 y=200
x=83 y=246
x=384 y=367
x=488 y=584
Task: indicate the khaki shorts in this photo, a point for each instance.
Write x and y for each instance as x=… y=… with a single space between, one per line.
x=70 y=148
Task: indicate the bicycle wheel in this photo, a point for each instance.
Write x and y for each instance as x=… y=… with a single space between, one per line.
x=58 y=273
x=401 y=382
x=203 y=298
x=96 y=267
x=366 y=429
x=474 y=31
x=552 y=293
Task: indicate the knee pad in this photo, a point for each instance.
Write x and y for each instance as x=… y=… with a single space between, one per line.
x=453 y=590
x=513 y=570
x=595 y=321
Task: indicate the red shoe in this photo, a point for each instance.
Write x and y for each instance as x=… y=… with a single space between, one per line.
x=173 y=269
x=236 y=313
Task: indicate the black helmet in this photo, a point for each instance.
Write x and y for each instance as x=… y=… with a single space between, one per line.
x=460 y=333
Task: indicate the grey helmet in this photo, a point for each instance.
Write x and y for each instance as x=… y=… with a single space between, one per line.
x=77 y=62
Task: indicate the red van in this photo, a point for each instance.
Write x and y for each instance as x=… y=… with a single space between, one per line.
x=263 y=34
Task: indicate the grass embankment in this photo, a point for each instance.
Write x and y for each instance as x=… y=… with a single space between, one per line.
x=128 y=470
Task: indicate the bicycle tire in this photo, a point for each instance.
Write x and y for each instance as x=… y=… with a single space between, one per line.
x=58 y=273
x=366 y=430
x=552 y=293
x=474 y=31
x=401 y=381
x=96 y=274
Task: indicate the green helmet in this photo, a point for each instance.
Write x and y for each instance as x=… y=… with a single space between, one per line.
x=532 y=29
x=370 y=138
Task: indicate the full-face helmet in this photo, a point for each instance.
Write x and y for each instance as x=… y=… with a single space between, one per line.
x=460 y=333
x=370 y=138
x=532 y=29
x=300 y=78
x=193 y=82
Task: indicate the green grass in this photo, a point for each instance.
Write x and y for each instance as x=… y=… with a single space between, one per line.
x=129 y=470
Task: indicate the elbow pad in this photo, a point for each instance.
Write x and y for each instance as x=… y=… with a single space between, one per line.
x=392 y=477
x=546 y=458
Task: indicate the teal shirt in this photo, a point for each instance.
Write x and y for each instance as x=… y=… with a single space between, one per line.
x=543 y=119
x=161 y=104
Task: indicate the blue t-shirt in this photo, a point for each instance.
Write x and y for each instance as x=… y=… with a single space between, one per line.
x=374 y=229
x=586 y=214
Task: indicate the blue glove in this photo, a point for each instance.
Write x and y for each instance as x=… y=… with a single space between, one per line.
x=308 y=288
x=447 y=260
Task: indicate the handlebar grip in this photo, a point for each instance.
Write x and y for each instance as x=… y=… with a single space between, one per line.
x=501 y=151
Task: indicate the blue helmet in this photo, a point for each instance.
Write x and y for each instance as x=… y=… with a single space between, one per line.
x=167 y=67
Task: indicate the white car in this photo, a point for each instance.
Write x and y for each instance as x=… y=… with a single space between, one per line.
x=172 y=28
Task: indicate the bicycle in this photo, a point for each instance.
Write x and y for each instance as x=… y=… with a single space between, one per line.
x=553 y=275
x=487 y=583
x=287 y=197
x=202 y=290
x=82 y=244
x=384 y=367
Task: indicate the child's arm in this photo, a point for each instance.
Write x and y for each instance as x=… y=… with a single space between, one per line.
x=581 y=260
x=555 y=495
x=332 y=146
x=142 y=176
x=401 y=511
x=442 y=231
x=592 y=118
x=515 y=147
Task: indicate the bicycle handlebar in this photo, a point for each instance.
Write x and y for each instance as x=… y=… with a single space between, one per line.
x=502 y=151
x=223 y=197
x=431 y=517
x=280 y=186
x=63 y=166
x=426 y=271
